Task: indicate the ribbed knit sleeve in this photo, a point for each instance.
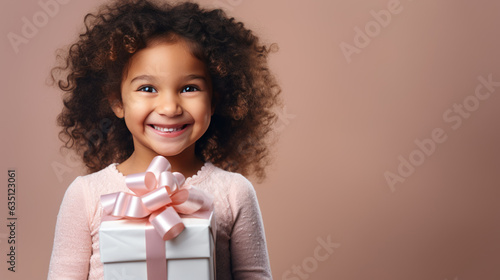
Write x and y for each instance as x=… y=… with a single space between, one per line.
x=72 y=242
x=241 y=244
x=248 y=243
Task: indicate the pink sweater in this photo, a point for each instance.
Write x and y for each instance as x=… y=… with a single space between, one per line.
x=241 y=251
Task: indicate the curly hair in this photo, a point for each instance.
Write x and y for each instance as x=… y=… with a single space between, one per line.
x=245 y=90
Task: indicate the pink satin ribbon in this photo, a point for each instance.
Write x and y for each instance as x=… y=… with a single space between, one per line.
x=160 y=196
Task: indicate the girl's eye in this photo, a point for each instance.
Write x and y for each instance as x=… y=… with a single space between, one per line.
x=147 y=89
x=189 y=89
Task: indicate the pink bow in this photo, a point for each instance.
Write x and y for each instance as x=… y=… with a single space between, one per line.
x=159 y=195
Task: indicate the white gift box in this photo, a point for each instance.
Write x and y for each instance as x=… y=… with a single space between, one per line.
x=190 y=255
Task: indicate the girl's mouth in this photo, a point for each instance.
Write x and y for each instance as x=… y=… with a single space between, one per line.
x=167 y=129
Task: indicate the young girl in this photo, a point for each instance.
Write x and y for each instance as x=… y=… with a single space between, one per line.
x=179 y=81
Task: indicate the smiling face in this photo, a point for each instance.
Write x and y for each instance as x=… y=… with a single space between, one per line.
x=166 y=100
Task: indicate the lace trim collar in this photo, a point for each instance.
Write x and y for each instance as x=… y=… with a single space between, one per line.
x=205 y=170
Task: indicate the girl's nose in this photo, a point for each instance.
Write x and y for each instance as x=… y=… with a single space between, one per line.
x=169 y=105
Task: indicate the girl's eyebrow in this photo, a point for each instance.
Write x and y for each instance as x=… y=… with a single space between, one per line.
x=144 y=77
x=151 y=78
x=196 y=77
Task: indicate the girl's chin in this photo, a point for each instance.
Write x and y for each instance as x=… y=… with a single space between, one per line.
x=172 y=153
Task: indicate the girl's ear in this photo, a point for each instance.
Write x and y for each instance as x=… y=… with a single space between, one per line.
x=117 y=108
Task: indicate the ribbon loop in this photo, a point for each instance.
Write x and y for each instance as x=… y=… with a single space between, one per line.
x=156 y=199
x=158 y=164
x=168 y=180
x=168 y=223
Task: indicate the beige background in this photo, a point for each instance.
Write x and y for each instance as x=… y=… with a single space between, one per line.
x=345 y=125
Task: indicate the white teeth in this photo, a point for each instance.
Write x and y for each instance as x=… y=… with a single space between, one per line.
x=165 y=129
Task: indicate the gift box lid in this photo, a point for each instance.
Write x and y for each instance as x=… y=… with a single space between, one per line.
x=125 y=240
